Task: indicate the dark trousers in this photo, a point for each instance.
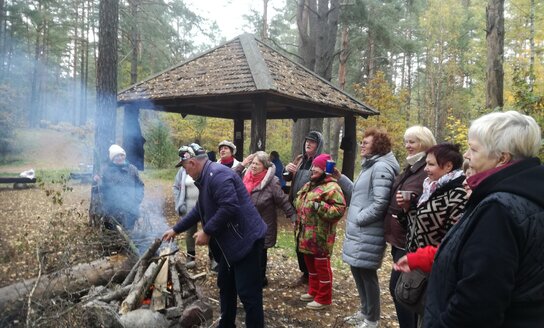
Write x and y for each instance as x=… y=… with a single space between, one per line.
x=242 y=279
x=300 y=258
x=406 y=318
x=264 y=262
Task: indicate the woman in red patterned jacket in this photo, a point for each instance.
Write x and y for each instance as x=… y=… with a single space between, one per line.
x=320 y=204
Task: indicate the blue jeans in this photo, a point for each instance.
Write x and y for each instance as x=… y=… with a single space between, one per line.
x=244 y=279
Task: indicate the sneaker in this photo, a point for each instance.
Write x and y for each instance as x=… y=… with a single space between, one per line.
x=369 y=324
x=313 y=305
x=355 y=319
x=306 y=297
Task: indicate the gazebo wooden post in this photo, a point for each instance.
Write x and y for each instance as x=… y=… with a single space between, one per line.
x=133 y=141
x=258 y=124
x=350 y=146
x=239 y=138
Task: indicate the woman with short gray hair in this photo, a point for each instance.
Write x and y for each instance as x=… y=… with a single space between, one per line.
x=489 y=270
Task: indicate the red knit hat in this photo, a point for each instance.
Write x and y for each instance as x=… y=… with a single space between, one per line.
x=321 y=161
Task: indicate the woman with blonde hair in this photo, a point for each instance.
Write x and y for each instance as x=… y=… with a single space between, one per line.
x=488 y=271
x=417 y=139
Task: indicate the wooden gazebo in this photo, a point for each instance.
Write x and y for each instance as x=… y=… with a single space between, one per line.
x=245 y=79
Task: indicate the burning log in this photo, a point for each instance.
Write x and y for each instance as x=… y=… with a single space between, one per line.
x=72 y=280
x=137 y=293
x=158 y=300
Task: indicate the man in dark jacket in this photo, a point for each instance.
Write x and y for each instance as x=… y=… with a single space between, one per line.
x=299 y=175
x=234 y=231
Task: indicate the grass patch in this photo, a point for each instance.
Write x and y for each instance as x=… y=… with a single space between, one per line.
x=53 y=176
x=160 y=174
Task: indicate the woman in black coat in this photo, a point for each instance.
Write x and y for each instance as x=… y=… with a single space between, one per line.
x=489 y=270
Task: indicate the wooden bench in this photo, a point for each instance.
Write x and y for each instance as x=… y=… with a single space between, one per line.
x=18 y=182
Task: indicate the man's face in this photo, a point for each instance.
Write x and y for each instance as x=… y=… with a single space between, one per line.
x=225 y=152
x=191 y=167
x=310 y=147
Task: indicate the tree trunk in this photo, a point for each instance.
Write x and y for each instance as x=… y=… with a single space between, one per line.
x=495 y=53
x=134 y=41
x=306 y=20
x=317 y=25
x=532 y=46
x=264 y=33
x=72 y=280
x=3 y=49
x=106 y=80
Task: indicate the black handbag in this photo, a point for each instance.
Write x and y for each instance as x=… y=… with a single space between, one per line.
x=411 y=289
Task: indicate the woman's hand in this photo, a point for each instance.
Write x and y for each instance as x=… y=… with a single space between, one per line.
x=402 y=265
x=247 y=161
x=403 y=203
x=336 y=174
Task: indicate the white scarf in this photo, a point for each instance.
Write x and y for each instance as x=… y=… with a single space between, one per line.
x=429 y=187
x=411 y=160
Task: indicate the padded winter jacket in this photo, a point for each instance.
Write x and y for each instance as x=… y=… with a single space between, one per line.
x=227 y=213
x=364 y=241
x=489 y=269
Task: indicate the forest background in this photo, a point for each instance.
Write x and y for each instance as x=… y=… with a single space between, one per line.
x=417 y=62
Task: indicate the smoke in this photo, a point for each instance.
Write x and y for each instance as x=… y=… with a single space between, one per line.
x=48 y=89
x=152 y=222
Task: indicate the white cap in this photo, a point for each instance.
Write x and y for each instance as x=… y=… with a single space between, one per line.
x=116 y=150
x=228 y=144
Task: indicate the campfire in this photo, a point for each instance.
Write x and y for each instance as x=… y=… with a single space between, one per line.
x=159 y=290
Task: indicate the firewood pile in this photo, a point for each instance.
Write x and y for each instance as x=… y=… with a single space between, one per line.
x=157 y=292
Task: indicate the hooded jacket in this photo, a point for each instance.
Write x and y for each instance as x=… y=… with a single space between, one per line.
x=489 y=269
x=303 y=164
x=227 y=214
x=364 y=243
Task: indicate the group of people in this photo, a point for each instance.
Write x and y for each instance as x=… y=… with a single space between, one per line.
x=473 y=221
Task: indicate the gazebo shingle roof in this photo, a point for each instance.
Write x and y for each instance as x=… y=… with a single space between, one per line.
x=224 y=82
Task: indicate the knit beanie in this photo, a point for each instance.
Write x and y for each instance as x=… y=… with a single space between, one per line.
x=116 y=150
x=321 y=161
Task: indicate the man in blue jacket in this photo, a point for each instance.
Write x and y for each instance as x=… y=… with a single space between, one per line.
x=232 y=228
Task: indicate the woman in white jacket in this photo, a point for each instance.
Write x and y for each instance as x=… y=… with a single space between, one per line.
x=364 y=242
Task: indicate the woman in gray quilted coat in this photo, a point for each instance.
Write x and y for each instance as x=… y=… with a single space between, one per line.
x=364 y=243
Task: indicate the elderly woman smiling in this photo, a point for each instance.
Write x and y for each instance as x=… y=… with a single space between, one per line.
x=489 y=270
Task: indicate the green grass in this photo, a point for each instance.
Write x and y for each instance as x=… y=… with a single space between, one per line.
x=286 y=243
x=53 y=175
x=160 y=174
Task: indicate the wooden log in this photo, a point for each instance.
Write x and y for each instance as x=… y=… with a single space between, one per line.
x=176 y=286
x=158 y=298
x=118 y=294
x=137 y=293
x=71 y=280
x=143 y=259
